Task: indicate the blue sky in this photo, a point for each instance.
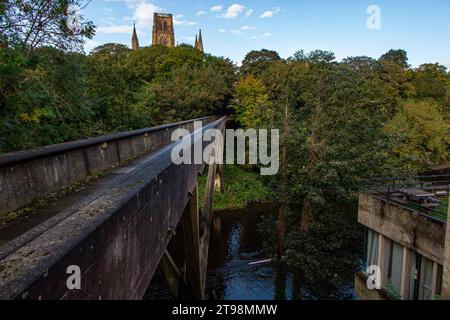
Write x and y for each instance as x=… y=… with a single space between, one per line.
x=233 y=28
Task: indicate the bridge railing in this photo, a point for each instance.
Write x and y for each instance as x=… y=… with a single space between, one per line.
x=28 y=176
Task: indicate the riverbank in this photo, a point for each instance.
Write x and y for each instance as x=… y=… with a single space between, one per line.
x=240 y=187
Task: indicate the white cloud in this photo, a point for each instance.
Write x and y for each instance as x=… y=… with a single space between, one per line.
x=247 y=28
x=270 y=13
x=91 y=44
x=233 y=11
x=143 y=13
x=267 y=14
x=248 y=13
x=236 y=32
x=178 y=22
x=201 y=13
x=115 y=29
x=216 y=9
x=107 y=10
x=264 y=35
x=222 y=30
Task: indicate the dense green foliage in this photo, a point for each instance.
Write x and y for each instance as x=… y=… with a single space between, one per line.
x=31 y=24
x=48 y=96
x=340 y=122
x=240 y=187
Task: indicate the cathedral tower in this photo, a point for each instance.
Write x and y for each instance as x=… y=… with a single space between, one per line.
x=163 y=31
x=134 y=39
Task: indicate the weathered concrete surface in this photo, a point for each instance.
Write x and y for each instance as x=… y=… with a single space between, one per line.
x=403 y=227
x=31 y=175
x=117 y=239
x=363 y=293
x=446 y=271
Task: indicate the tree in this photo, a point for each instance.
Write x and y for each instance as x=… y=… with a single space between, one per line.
x=419 y=136
x=43 y=99
x=36 y=23
x=256 y=62
x=110 y=49
x=399 y=57
x=112 y=85
x=313 y=56
x=430 y=81
x=252 y=106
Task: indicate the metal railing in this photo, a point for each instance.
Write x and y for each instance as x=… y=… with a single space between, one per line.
x=418 y=194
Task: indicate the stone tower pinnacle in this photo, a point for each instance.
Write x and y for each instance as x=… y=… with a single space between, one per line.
x=199 y=42
x=134 y=39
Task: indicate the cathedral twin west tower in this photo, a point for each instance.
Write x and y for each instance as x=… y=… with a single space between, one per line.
x=164 y=33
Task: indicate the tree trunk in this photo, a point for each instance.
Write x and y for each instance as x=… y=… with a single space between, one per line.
x=281 y=233
x=281 y=223
x=304 y=220
x=313 y=155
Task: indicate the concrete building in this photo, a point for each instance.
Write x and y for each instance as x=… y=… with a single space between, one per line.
x=407 y=241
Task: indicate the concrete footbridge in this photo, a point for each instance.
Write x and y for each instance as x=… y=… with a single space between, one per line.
x=100 y=214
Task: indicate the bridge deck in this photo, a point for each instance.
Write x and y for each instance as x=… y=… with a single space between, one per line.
x=23 y=230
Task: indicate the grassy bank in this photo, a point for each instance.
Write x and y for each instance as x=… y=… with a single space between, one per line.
x=240 y=186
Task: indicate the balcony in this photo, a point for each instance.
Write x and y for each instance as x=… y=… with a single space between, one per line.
x=406 y=230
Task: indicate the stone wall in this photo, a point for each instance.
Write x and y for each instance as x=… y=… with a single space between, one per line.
x=364 y=293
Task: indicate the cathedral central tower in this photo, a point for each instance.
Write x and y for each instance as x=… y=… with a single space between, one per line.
x=164 y=33
x=163 y=30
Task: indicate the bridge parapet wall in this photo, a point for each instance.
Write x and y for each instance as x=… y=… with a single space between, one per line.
x=31 y=175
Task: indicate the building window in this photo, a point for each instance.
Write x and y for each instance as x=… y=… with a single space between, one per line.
x=393 y=266
x=440 y=271
x=372 y=240
x=426 y=279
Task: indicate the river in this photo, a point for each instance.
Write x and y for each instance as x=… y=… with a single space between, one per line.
x=237 y=270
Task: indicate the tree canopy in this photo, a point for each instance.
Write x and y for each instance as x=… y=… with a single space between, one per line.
x=35 y=23
x=340 y=122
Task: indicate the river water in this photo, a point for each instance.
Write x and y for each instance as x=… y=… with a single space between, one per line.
x=237 y=270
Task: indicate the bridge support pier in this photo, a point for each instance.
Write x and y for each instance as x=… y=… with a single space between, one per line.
x=192 y=246
x=197 y=231
x=196 y=225
x=173 y=276
x=205 y=224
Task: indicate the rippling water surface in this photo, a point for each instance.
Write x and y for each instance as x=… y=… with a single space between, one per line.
x=233 y=275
